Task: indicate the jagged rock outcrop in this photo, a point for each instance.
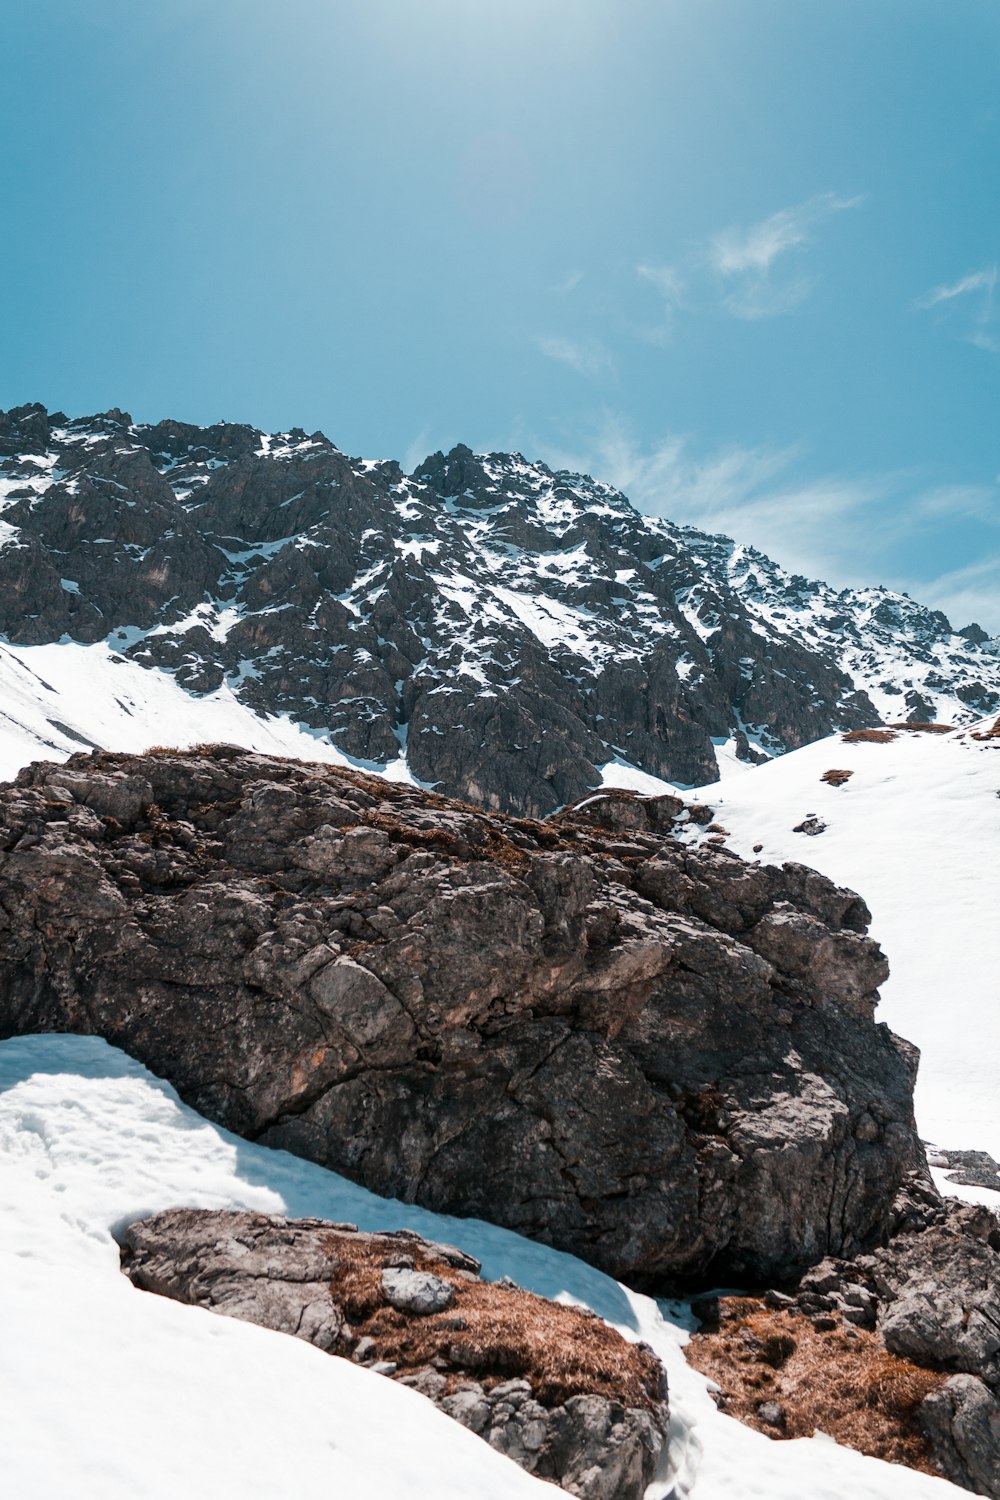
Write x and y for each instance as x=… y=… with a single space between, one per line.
x=932 y=1297
x=962 y=1421
x=508 y=628
x=552 y=1387
x=661 y=1059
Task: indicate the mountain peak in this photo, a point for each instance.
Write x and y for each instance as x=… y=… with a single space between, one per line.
x=512 y=634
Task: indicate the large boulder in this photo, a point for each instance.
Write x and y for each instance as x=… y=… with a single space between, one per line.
x=553 y=1387
x=662 y=1059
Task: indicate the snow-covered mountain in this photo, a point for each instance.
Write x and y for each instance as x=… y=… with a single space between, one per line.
x=510 y=634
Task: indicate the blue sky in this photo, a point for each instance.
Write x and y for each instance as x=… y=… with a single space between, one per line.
x=738 y=256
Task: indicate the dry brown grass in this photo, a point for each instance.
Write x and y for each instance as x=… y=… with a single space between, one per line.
x=841 y=1381
x=493 y=1333
x=836 y=778
x=924 y=728
x=993 y=733
x=868 y=736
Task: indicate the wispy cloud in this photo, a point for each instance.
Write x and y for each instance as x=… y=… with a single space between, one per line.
x=751 y=271
x=416 y=450
x=588 y=358
x=981 y=286
x=672 y=287
x=753 y=494
x=960 y=502
x=967 y=594
x=746 y=259
x=569 y=283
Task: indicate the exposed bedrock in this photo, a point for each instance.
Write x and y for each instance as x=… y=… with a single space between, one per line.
x=552 y=1387
x=932 y=1297
x=661 y=1059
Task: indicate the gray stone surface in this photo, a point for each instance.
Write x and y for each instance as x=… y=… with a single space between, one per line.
x=287 y=1276
x=939 y=1294
x=417 y=1292
x=661 y=1059
x=962 y=1421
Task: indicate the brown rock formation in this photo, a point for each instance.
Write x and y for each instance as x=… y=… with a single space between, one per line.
x=553 y=1387
x=661 y=1059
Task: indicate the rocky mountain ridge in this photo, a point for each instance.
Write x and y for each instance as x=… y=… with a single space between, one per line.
x=499 y=630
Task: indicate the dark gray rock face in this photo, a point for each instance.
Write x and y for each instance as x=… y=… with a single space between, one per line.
x=939 y=1295
x=933 y=1295
x=362 y=1296
x=962 y=1421
x=511 y=628
x=661 y=1059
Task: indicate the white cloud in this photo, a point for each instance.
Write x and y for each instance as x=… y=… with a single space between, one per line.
x=745 y=258
x=590 y=358
x=416 y=451
x=668 y=281
x=734 y=251
x=746 y=269
x=982 y=286
x=849 y=530
x=965 y=502
x=752 y=494
x=967 y=594
x=672 y=288
x=976 y=281
x=569 y=283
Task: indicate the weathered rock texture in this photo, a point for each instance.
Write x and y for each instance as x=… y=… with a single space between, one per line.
x=553 y=1387
x=661 y=1059
x=510 y=627
x=931 y=1299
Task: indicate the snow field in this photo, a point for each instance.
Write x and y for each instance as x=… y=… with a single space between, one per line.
x=59 y=699
x=108 y=1392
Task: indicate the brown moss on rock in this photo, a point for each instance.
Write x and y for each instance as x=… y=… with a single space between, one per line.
x=779 y=1372
x=869 y=736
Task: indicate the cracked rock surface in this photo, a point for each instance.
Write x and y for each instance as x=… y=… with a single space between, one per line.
x=661 y=1059
x=513 y=629
x=932 y=1294
x=552 y=1387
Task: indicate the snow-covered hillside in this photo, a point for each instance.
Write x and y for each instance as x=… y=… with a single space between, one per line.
x=57 y=700
x=916 y=829
x=110 y=1393
x=506 y=628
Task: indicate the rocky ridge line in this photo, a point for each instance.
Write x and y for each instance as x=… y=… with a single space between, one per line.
x=507 y=629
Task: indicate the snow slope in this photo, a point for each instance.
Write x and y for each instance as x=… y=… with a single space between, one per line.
x=56 y=700
x=916 y=830
x=108 y=1392
x=470 y=609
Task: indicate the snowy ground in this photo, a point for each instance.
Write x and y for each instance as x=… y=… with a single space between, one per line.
x=59 y=699
x=916 y=830
x=108 y=1392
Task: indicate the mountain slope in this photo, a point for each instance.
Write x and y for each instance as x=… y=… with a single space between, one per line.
x=506 y=630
